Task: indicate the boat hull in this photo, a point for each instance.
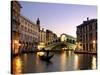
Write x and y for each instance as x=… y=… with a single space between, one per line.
x=46 y=58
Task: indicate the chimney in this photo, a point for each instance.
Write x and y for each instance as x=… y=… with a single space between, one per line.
x=87 y=18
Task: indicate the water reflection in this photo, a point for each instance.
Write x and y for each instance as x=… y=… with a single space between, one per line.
x=85 y=62
x=76 y=62
x=25 y=59
x=69 y=53
x=63 y=61
x=17 y=65
x=38 y=64
x=93 y=62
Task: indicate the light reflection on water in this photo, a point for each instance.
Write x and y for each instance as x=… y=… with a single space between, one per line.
x=17 y=65
x=93 y=63
x=76 y=62
x=65 y=61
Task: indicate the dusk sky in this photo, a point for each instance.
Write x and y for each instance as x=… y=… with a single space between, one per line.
x=59 y=18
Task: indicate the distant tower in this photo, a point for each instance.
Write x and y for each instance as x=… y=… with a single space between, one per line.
x=38 y=23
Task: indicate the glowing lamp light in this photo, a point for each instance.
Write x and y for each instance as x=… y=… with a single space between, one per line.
x=94 y=41
x=17 y=65
x=40 y=46
x=94 y=63
x=19 y=44
x=41 y=53
x=16 y=42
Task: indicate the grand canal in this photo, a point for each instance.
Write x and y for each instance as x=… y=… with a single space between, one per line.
x=62 y=61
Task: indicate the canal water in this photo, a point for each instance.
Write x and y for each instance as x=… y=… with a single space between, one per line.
x=62 y=61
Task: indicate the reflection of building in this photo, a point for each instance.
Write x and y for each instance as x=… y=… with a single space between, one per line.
x=15 y=14
x=29 y=33
x=85 y=61
x=16 y=66
x=87 y=36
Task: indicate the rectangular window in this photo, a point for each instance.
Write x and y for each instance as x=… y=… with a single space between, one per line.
x=90 y=27
x=83 y=46
x=86 y=47
x=96 y=26
x=96 y=35
x=90 y=36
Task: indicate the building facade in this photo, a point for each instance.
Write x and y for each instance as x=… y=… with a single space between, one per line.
x=50 y=37
x=15 y=23
x=29 y=34
x=42 y=36
x=87 y=36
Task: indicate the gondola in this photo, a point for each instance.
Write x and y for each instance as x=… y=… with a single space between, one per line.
x=45 y=55
x=46 y=58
